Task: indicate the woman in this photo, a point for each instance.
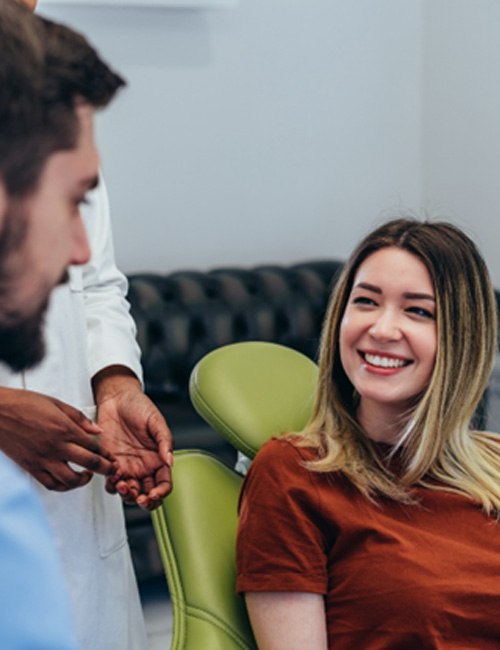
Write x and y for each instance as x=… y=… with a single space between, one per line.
x=376 y=527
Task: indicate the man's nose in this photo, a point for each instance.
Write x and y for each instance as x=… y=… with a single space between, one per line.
x=80 y=248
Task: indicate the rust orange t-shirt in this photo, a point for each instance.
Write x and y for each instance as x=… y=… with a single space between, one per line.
x=393 y=576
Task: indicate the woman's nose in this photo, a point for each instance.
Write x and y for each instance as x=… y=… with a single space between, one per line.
x=385 y=327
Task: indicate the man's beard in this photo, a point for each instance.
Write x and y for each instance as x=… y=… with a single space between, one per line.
x=23 y=345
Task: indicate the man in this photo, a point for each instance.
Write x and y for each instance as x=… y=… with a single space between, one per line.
x=92 y=359
x=48 y=161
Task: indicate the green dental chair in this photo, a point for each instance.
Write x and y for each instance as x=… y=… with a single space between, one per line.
x=247 y=392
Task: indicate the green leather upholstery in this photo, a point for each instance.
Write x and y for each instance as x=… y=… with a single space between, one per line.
x=247 y=392
x=196 y=529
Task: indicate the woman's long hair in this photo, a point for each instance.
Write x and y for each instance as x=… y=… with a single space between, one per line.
x=436 y=448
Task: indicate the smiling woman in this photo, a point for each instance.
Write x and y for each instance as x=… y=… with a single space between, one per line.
x=388 y=338
x=385 y=508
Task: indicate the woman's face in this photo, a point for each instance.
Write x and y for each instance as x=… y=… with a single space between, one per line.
x=388 y=336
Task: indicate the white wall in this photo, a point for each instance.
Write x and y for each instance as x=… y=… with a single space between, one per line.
x=462 y=118
x=272 y=131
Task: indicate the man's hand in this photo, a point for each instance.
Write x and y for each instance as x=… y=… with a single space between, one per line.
x=136 y=434
x=43 y=435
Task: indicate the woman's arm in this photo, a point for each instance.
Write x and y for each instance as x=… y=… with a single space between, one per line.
x=287 y=620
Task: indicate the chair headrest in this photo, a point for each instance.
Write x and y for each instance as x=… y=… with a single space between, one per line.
x=253 y=390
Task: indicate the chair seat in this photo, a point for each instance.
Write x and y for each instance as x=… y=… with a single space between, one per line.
x=196 y=531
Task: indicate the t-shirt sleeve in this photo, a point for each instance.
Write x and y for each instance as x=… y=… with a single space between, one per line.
x=281 y=543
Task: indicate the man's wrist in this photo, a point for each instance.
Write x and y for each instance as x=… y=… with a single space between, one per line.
x=113 y=380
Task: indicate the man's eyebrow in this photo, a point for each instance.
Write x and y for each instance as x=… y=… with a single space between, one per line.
x=90 y=183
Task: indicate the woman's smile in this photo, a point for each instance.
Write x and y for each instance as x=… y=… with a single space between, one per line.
x=380 y=362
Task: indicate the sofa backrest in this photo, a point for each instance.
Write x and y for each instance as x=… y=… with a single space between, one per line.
x=182 y=316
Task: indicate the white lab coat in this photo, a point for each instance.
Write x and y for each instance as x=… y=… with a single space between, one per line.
x=89 y=328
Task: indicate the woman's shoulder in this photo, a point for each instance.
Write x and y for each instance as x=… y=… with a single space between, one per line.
x=282 y=460
x=278 y=476
x=284 y=449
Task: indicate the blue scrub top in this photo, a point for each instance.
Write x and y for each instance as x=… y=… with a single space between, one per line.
x=34 y=603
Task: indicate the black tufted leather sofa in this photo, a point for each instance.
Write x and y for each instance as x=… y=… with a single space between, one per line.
x=184 y=315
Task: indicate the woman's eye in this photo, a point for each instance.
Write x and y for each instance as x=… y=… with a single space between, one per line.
x=363 y=300
x=421 y=311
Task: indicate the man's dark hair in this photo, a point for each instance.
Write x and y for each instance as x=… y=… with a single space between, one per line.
x=46 y=69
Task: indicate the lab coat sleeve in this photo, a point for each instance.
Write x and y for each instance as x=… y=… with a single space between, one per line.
x=111 y=331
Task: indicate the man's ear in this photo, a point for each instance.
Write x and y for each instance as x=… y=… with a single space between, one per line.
x=3 y=203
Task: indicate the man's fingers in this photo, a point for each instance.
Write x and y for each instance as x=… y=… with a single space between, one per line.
x=161 y=491
x=62 y=478
x=157 y=490
x=79 y=418
x=128 y=490
x=72 y=479
x=90 y=447
x=110 y=486
x=75 y=428
x=147 y=484
x=154 y=498
x=48 y=481
x=148 y=495
x=97 y=461
x=163 y=436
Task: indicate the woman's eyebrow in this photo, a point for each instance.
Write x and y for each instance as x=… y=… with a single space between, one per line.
x=368 y=287
x=411 y=295
x=408 y=295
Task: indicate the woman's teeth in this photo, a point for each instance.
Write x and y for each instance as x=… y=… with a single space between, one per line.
x=384 y=362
